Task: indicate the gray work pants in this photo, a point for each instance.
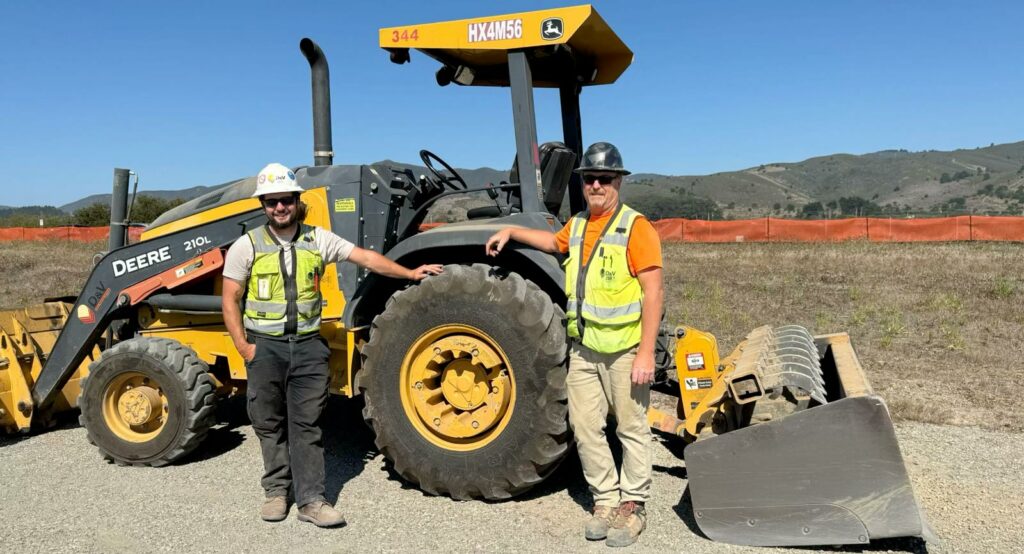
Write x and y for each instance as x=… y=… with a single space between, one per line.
x=287 y=392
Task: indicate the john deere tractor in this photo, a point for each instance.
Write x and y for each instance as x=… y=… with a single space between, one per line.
x=463 y=375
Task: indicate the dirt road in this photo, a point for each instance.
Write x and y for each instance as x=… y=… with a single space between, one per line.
x=56 y=495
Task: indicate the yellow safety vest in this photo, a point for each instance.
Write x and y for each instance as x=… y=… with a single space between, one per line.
x=279 y=304
x=606 y=315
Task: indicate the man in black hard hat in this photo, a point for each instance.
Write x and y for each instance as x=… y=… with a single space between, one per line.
x=613 y=284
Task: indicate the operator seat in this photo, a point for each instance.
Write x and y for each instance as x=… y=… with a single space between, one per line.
x=556 y=164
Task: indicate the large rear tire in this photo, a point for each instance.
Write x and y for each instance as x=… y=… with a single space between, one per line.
x=464 y=383
x=147 y=402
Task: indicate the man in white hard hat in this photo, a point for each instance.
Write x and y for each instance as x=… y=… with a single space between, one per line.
x=276 y=269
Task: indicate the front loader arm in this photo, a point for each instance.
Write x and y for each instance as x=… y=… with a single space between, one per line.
x=126 y=276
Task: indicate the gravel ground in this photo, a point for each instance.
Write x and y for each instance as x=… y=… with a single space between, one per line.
x=57 y=494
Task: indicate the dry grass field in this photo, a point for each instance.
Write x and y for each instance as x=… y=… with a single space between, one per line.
x=938 y=327
x=34 y=271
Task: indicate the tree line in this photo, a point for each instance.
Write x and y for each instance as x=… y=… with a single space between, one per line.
x=144 y=210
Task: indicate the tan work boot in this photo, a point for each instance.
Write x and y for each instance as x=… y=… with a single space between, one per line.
x=630 y=520
x=600 y=520
x=321 y=514
x=274 y=508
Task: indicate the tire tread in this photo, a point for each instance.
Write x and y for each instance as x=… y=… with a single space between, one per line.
x=185 y=366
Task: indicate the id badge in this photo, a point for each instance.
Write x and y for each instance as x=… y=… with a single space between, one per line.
x=263 y=288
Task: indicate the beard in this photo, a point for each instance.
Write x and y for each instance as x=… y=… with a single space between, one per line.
x=274 y=223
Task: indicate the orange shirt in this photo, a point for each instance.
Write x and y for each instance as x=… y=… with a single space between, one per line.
x=643 y=251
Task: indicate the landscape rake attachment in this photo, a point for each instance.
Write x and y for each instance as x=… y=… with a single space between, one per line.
x=789 y=445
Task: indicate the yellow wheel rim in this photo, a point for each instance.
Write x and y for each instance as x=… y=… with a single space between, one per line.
x=457 y=387
x=134 y=407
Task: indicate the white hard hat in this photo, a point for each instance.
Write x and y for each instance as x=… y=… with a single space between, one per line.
x=275 y=178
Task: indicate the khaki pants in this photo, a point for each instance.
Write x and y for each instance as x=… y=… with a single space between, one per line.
x=599 y=384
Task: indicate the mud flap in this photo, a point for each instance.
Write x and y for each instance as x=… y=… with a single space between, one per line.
x=832 y=474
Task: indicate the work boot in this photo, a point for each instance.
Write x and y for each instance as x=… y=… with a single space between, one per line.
x=629 y=522
x=321 y=514
x=274 y=508
x=596 y=528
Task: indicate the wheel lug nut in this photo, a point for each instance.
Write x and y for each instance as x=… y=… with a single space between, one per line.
x=476 y=352
x=476 y=424
x=419 y=385
x=437 y=350
x=437 y=421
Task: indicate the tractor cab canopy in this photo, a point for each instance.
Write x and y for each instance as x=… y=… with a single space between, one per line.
x=563 y=48
x=566 y=44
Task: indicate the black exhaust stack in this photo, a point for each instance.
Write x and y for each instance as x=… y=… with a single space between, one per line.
x=119 y=210
x=323 y=153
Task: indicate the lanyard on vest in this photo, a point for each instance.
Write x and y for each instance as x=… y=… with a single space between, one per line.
x=291 y=290
x=582 y=268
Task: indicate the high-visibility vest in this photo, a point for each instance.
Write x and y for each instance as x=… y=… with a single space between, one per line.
x=279 y=304
x=604 y=299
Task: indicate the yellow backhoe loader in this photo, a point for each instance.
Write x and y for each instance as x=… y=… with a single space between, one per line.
x=463 y=375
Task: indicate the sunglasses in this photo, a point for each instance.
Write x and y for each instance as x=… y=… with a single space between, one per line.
x=273 y=202
x=603 y=179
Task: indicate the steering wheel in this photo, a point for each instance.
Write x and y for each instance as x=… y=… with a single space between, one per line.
x=455 y=182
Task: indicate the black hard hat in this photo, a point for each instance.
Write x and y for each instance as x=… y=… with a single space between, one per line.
x=602 y=156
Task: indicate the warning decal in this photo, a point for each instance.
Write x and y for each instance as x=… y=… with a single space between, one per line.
x=345 y=204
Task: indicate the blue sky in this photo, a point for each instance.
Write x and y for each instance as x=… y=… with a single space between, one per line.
x=198 y=93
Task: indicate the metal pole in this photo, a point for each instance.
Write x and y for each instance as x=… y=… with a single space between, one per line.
x=572 y=135
x=525 y=121
x=118 y=210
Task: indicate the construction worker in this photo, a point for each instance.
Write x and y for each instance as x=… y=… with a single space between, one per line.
x=273 y=274
x=614 y=287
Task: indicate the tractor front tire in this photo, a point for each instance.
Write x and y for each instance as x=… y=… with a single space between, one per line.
x=147 y=402
x=464 y=383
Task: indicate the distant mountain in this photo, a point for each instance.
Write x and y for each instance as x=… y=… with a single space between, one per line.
x=184 y=194
x=980 y=180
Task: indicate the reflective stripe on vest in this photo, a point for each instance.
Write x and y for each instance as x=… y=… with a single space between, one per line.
x=606 y=316
x=278 y=303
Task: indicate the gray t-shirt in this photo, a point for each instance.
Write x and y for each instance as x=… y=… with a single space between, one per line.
x=238 y=261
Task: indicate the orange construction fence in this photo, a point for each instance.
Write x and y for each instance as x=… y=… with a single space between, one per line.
x=82 y=234
x=939 y=229
x=767 y=229
x=770 y=229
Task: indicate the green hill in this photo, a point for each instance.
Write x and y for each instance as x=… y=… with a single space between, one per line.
x=980 y=180
x=984 y=180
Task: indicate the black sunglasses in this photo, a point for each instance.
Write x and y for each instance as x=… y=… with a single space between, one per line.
x=603 y=179
x=272 y=202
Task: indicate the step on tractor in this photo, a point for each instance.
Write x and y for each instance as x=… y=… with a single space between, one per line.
x=463 y=376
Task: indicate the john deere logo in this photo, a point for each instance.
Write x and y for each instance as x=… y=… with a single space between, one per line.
x=551 y=28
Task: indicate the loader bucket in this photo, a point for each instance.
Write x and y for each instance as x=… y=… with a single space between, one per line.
x=26 y=337
x=829 y=474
